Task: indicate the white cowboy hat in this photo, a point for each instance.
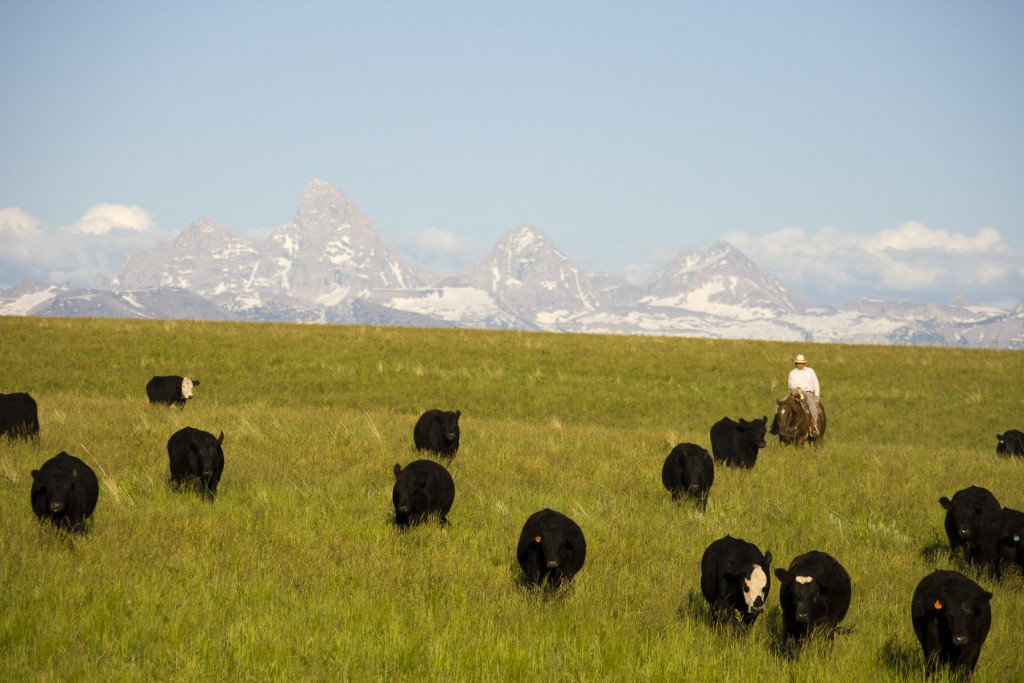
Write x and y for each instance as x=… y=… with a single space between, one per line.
x=799 y=358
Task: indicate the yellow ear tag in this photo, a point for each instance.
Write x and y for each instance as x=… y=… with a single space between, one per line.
x=938 y=605
x=537 y=539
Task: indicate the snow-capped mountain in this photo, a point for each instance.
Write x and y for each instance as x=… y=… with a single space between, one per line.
x=328 y=253
x=721 y=281
x=205 y=259
x=329 y=266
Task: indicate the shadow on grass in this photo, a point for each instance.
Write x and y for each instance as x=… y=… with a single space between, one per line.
x=696 y=610
x=938 y=552
x=791 y=648
x=901 y=658
x=545 y=593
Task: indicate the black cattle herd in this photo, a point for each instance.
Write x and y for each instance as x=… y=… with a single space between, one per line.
x=950 y=612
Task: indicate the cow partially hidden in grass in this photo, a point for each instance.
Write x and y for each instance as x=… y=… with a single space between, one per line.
x=966 y=515
x=196 y=459
x=1010 y=443
x=951 y=617
x=64 y=492
x=734 y=579
x=19 y=416
x=422 y=489
x=689 y=471
x=437 y=431
x=551 y=548
x=814 y=594
x=170 y=389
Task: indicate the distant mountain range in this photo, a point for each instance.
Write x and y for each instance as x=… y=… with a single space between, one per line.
x=329 y=266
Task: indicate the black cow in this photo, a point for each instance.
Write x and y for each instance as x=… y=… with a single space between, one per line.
x=551 y=548
x=734 y=579
x=689 y=470
x=1002 y=541
x=814 y=593
x=422 y=488
x=438 y=431
x=965 y=516
x=64 y=491
x=196 y=459
x=951 y=616
x=170 y=389
x=19 y=416
x=736 y=443
x=1010 y=443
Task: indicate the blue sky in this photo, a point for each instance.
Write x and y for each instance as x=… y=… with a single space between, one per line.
x=870 y=149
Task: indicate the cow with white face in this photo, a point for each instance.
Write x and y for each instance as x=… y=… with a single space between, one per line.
x=170 y=389
x=734 y=579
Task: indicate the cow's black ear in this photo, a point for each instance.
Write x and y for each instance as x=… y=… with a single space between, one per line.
x=220 y=439
x=458 y=414
x=764 y=419
x=398 y=468
x=783 y=575
x=35 y=474
x=195 y=383
x=767 y=559
x=984 y=597
x=945 y=502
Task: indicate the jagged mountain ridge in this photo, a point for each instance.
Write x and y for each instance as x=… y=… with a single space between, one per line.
x=329 y=266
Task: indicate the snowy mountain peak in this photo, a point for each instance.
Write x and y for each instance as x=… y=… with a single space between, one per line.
x=721 y=281
x=523 y=241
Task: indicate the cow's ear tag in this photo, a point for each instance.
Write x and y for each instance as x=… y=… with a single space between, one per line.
x=1016 y=538
x=537 y=539
x=938 y=605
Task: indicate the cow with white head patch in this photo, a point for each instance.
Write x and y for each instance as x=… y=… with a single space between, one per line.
x=170 y=389
x=814 y=594
x=735 y=580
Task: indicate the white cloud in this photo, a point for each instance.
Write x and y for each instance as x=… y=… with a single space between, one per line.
x=102 y=218
x=913 y=235
x=15 y=221
x=910 y=261
x=95 y=243
x=435 y=248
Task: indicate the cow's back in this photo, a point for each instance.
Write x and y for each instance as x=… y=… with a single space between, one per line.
x=19 y=415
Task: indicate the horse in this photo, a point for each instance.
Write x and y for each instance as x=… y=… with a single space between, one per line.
x=793 y=420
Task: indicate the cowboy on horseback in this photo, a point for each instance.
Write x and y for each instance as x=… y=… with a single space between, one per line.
x=804 y=379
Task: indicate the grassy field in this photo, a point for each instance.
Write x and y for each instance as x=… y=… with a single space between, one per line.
x=296 y=572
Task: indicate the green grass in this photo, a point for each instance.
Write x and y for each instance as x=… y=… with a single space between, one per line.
x=295 y=571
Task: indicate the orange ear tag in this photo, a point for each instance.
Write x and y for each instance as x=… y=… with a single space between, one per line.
x=537 y=539
x=938 y=605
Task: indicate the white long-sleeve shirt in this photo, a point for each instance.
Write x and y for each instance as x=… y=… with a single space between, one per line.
x=805 y=380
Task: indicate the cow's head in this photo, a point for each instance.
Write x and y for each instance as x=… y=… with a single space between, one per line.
x=410 y=491
x=755 y=583
x=186 y=387
x=968 y=509
x=805 y=590
x=450 y=427
x=57 y=485
x=207 y=451
x=960 y=614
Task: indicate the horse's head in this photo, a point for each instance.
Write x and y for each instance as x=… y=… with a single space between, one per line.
x=791 y=416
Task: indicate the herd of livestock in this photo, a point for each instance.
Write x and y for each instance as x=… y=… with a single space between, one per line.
x=950 y=612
